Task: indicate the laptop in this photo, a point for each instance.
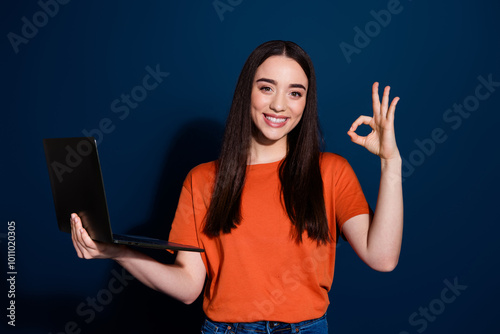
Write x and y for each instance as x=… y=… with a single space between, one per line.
x=77 y=186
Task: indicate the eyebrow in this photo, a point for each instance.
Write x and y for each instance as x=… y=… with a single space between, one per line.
x=271 y=81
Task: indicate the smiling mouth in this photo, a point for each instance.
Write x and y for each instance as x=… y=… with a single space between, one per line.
x=275 y=121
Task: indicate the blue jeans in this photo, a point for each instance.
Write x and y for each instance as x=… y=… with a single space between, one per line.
x=315 y=326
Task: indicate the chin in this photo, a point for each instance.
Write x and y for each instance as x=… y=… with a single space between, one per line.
x=270 y=139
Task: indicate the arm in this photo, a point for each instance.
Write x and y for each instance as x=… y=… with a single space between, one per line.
x=377 y=241
x=182 y=280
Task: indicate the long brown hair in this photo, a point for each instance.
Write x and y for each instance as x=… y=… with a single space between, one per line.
x=299 y=172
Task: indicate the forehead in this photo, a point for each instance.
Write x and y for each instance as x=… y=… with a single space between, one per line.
x=282 y=69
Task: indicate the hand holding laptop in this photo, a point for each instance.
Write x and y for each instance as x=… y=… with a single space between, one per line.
x=86 y=248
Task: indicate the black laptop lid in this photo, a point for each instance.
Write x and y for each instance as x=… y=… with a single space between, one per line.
x=81 y=192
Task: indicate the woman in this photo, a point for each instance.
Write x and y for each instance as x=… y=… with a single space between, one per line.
x=269 y=211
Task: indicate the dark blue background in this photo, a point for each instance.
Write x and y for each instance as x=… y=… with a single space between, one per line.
x=65 y=78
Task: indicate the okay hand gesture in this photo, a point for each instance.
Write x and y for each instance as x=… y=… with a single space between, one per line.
x=382 y=140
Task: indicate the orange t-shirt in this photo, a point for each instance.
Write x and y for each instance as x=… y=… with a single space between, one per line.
x=258 y=272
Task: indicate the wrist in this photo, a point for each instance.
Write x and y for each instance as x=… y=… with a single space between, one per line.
x=121 y=253
x=391 y=170
x=393 y=161
x=392 y=166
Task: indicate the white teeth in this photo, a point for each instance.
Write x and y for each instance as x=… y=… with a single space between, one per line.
x=276 y=120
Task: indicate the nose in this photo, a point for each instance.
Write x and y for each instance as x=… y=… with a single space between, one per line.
x=278 y=104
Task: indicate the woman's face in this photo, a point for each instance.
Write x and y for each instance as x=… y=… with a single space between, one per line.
x=278 y=99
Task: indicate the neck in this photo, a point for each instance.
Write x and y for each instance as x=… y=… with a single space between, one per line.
x=261 y=153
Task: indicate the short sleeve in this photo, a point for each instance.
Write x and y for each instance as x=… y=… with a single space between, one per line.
x=349 y=198
x=194 y=201
x=184 y=226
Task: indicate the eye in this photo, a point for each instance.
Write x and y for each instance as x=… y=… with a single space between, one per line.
x=265 y=89
x=296 y=94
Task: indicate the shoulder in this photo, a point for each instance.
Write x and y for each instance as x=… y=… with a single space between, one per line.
x=203 y=173
x=332 y=160
x=335 y=167
x=206 y=167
